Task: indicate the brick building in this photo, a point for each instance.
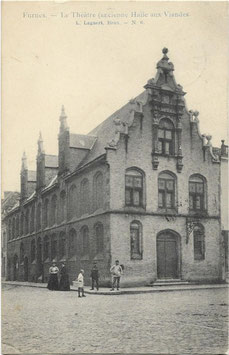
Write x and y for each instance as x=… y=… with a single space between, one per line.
x=142 y=187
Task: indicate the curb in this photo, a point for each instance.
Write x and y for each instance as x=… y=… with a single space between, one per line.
x=126 y=291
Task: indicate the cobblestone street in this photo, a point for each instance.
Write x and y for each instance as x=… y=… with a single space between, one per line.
x=41 y=321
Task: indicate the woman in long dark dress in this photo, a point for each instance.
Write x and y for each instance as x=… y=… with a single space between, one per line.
x=53 y=278
x=64 y=279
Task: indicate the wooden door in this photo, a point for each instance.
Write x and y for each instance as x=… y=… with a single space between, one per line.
x=167 y=256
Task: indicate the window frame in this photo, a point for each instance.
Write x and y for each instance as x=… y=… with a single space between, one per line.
x=136 y=174
x=199 y=242
x=136 y=225
x=165 y=192
x=164 y=140
x=193 y=195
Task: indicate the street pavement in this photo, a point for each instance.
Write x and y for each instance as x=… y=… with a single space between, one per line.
x=36 y=320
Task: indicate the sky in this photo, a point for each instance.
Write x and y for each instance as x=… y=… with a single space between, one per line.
x=52 y=55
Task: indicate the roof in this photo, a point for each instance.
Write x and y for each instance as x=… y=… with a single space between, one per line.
x=105 y=132
x=82 y=141
x=51 y=161
x=32 y=176
x=52 y=182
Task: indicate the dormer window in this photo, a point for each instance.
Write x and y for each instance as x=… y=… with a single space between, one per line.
x=166 y=137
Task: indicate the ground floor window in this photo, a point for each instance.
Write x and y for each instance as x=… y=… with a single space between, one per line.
x=136 y=240
x=199 y=242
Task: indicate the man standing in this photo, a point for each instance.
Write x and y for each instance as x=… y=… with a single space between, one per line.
x=116 y=271
x=94 y=277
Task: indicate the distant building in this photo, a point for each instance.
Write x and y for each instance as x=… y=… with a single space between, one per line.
x=142 y=187
x=10 y=199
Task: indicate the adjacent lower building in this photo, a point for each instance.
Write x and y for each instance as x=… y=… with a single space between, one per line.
x=142 y=187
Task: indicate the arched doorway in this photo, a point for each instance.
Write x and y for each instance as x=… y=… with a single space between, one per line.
x=40 y=273
x=168 y=255
x=26 y=269
x=15 y=267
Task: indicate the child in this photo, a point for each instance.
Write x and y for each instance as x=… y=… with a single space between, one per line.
x=81 y=283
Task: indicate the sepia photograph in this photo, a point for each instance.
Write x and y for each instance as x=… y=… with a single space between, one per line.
x=114 y=205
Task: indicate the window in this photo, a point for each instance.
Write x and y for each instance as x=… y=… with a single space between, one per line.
x=46 y=213
x=38 y=216
x=17 y=226
x=53 y=210
x=84 y=196
x=196 y=193
x=62 y=246
x=199 y=242
x=166 y=191
x=72 y=202
x=136 y=240
x=85 y=241
x=166 y=137
x=22 y=252
x=98 y=190
x=99 y=238
x=54 y=247
x=22 y=223
x=133 y=188
x=10 y=229
x=72 y=243
x=27 y=221
x=13 y=228
x=46 y=247
x=32 y=217
x=33 y=250
x=62 y=206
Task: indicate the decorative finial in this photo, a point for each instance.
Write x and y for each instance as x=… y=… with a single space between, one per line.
x=165 y=50
x=62 y=112
x=63 y=120
x=24 y=162
x=40 y=144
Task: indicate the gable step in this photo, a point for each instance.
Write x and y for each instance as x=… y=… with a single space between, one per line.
x=169 y=282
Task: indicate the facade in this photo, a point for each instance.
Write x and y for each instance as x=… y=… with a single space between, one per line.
x=142 y=187
x=10 y=199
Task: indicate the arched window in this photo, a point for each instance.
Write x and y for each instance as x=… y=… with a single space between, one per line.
x=99 y=238
x=22 y=252
x=13 y=228
x=199 y=242
x=53 y=210
x=17 y=226
x=62 y=206
x=33 y=250
x=166 y=137
x=38 y=217
x=62 y=246
x=46 y=213
x=84 y=196
x=197 y=190
x=10 y=229
x=39 y=252
x=85 y=241
x=133 y=188
x=98 y=190
x=32 y=217
x=54 y=251
x=72 y=245
x=22 y=223
x=72 y=202
x=46 y=247
x=166 y=190
x=27 y=221
x=136 y=250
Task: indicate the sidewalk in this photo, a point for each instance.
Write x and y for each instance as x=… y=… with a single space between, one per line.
x=129 y=290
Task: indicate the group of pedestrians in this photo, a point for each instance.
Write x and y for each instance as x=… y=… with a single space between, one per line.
x=64 y=285
x=53 y=283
